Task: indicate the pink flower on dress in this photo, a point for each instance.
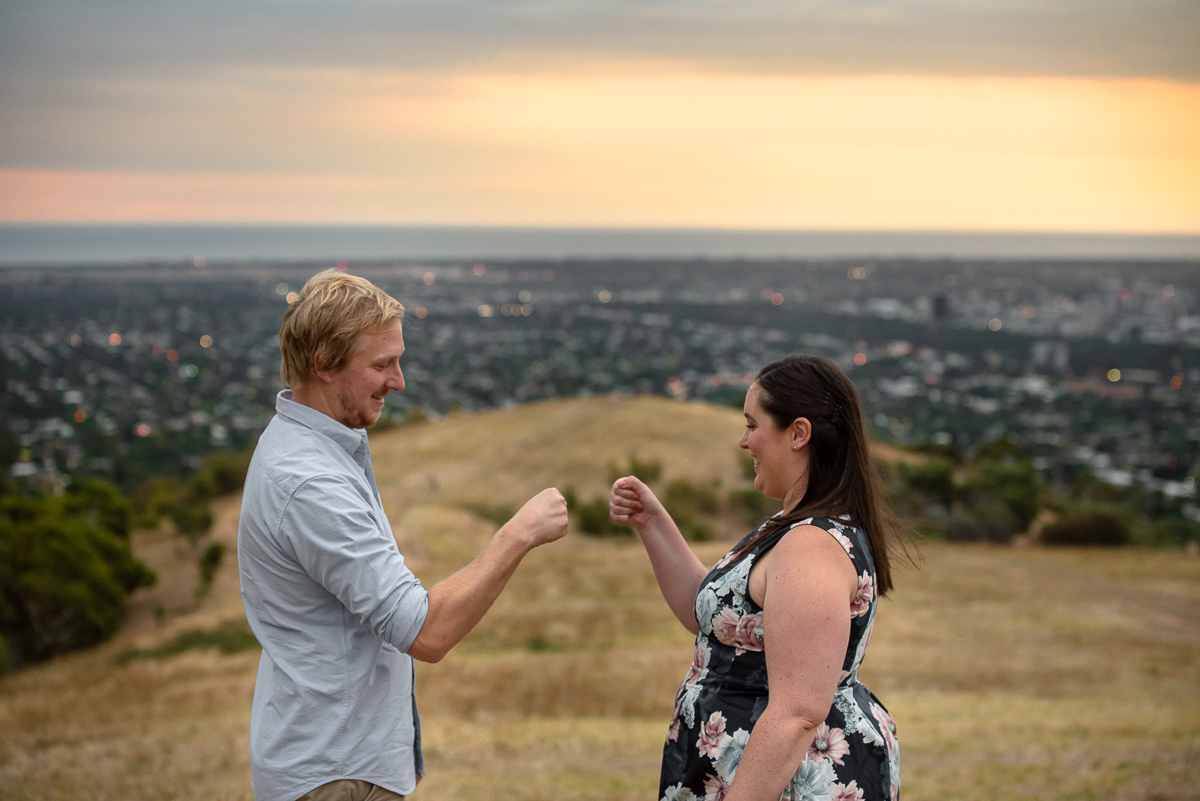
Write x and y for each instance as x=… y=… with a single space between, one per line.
x=673 y=732
x=715 y=788
x=749 y=632
x=828 y=744
x=847 y=792
x=843 y=540
x=725 y=627
x=866 y=593
x=711 y=733
x=699 y=668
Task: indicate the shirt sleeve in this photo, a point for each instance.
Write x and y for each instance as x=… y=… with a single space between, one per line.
x=334 y=534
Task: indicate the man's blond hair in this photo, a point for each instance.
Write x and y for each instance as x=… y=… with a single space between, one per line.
x=321 y=329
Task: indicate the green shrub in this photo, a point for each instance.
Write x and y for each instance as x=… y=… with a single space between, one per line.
x=684 y=496
x=231 y=637
x=593 y=519
x=1167 y=532
x=207 y=564
x=648 y=471
x=933 y=479
x=192 y=518
x=1088 y=528
x=64 y=576
x=754 y=506
x=221 y=473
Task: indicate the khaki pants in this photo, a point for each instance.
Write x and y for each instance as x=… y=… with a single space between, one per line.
x=350 y=790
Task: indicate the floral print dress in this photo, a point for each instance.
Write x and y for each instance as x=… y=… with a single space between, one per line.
x=854 y=755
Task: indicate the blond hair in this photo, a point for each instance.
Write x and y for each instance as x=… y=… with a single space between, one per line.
x=321 y=329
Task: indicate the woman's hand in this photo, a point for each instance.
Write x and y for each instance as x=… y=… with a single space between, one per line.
x=632 y=503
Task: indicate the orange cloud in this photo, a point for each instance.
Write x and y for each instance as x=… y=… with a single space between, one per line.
x=637 y=145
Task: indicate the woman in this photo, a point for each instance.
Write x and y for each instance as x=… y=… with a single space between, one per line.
x=792 y=604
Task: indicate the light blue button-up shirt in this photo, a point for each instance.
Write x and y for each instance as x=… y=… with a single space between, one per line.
x=335 y=609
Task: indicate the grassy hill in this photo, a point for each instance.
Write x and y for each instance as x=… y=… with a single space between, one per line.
x=1012 y=673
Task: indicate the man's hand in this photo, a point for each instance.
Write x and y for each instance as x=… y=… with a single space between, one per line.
x=543 y=518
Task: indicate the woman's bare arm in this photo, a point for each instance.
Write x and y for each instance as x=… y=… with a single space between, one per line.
x=806 y=627
x=676 y=568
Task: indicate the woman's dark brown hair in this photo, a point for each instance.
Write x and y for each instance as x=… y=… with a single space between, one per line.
x=842 y=480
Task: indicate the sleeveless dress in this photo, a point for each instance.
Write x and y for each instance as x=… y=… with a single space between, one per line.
x=854 y=756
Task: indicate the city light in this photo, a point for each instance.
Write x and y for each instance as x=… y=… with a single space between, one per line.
x=143 y=430
x=480 y=269
x=421 y=311
x=1114 y=375
x=485 y=310
x=80 y=415
x=172 y=355
x=429 y=278
x=292 y=297
x=777 y=298
x=604 y=296
x=114 y=339
x=860 y=359
x=206 y=341
x=281 y=289
x=995 y=324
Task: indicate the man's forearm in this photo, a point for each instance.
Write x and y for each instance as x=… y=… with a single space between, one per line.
x=459 y=602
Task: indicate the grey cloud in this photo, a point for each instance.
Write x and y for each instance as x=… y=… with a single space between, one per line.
x=81 y=82
x=1003 y=37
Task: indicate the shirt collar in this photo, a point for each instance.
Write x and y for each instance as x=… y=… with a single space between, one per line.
x=349 y=439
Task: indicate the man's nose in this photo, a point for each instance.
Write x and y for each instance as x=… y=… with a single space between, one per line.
x=396 y=382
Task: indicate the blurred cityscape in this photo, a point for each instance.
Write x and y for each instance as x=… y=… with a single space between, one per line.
x=1093 y=369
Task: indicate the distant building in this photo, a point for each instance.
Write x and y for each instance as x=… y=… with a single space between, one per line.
x=1051 y=354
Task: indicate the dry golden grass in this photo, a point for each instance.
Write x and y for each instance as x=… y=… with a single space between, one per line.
x=1012 y=673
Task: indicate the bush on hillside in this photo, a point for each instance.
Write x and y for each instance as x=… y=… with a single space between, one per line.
x=648 y=471
x=933 y=479
x=1167 y=532
x=594 y=521
x=1094 y=525
x=64 y=574
x=752 y=504
x=207 y=564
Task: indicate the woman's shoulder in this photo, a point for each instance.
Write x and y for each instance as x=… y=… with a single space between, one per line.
x=842 y=530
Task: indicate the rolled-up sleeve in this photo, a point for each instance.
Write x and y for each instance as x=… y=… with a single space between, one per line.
x=335 y=535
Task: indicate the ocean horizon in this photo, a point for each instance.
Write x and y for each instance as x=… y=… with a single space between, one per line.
x=106 y=245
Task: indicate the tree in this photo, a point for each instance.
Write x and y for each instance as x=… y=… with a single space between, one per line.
x=65 y=570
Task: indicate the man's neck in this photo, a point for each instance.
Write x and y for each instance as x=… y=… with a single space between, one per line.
x=313 y=396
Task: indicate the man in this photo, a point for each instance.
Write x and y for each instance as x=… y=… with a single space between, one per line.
x=325 y=589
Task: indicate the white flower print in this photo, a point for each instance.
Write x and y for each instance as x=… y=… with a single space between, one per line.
x=813 y=782
x=736 y=580
x=712 y=732
x=706 y=607
x=866 y=593
x=729 y=755
x=678 y=792
x=828 y=744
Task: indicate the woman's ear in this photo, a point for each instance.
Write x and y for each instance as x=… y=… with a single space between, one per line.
x=801 y=431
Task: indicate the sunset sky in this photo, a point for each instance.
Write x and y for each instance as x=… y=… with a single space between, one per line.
x=854 y=114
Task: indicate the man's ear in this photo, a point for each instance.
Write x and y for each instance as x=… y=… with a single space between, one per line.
x=801 y=430
x=318 y=369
